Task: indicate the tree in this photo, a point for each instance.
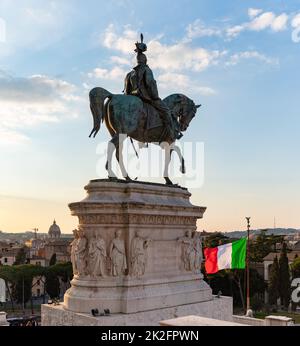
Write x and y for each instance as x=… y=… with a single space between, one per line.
x=52 y=285
x=216 y=239
x=21 y=290
x=284 y=277
x=274 y=282
x=64 y=270
x=52 y=260
x=263 y=245
x=295 y=268
x=22 y=285
x=21 y=257
x=230 y=283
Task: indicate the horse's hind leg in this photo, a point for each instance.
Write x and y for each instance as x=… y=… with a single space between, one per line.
x=111 y=147
x=119 y=156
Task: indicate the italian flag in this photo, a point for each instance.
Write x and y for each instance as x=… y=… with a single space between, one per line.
x=228 y=256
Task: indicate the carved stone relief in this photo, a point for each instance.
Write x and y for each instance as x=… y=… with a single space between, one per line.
x=138 y=254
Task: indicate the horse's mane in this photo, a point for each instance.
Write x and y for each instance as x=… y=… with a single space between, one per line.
x=179 y=99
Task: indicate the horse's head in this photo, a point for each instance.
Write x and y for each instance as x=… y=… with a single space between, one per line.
x=183 y=108
x=189 y=110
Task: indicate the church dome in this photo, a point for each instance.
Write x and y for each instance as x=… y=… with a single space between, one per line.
x=54 y=230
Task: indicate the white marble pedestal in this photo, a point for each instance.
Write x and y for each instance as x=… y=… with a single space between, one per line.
x=216 y=308
x=3 y=320
x=157 y=272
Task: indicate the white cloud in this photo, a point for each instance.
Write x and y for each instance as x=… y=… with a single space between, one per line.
x=120 y=60
x=236 y=58
x=10 y=137
x=172 y=82
x=260 y=21
x=181 y=56
x=27 y=102
x=296 y=21
x=176 y=57
x=2 y=30
x=235 y=30
x=280 y=22
x=34 y=89
x=253 y=12
x=198 y=29
x=35 y=24
x=114 y=74
x=122 y=43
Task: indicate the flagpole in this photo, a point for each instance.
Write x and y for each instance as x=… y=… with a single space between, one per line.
x=248 y=311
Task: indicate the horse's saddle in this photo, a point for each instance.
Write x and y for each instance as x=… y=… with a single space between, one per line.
x=153 y=119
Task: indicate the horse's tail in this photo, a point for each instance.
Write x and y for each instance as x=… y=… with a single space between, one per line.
x=97 y=98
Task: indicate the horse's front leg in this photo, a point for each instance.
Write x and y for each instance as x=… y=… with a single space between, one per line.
x=119 y=156
x=178 y=151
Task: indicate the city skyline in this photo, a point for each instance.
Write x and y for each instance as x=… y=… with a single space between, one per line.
x=239 y=60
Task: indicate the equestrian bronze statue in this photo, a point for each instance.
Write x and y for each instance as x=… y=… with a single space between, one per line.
x=140 y=114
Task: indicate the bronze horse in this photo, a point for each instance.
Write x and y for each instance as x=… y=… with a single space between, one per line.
x=128 y=115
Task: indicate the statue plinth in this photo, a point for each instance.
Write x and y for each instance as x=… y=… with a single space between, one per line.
x=137 y=251
x=144 y=268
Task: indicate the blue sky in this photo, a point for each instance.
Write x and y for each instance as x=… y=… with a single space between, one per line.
x=237 y=58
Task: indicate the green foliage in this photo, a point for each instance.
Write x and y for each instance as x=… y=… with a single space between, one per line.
x=8 y=273
x=52 y=285
x=20 y=276
x=263 y=245
x=21 y=257
x=284 y=277
x=216 y=239
x=274 y=282
x=21 y=290
x=54 y=272
x=64 y=270
x=295 y=268
x=52 y=261
x=231 y=283
x=14 y=273
x=256 y=303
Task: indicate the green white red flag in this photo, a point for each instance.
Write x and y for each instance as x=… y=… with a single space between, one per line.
x=227 y=256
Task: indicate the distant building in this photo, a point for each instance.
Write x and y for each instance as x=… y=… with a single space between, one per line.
x=54 y=231
x=39 y=250
x=38 y=261
x=8 y=255
x=205 y=234
x=57 y=245
x=268 y=261
x=35 y=245
x=38 y=286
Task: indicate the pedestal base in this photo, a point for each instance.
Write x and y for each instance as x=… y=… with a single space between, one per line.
x=218 y=308
x=131 y=295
